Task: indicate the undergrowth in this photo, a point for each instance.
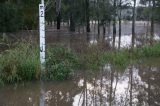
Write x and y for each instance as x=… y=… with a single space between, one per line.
x=21 y=63
x=60 y=63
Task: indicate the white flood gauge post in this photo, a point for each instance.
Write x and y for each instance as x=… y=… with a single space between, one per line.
x=42 y=46
x=42 y=32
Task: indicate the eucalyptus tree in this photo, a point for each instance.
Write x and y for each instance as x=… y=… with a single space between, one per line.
x=98 y=16
x=106 y=10
x=9 y=21
x=105 y=13
x=58 y=13
x=21 y=14
x=87 y=15
x=119 y=17
x=133 y=22
x=50 y=11
x=152 y=6
x=152 y=19
x=114 y=21
x=72 y=15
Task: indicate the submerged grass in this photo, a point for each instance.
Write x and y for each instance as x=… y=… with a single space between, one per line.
x=60 y=63
x=22 y=63
x=121 y=58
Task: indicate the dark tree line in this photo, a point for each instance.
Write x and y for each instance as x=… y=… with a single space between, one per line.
x=18 y=14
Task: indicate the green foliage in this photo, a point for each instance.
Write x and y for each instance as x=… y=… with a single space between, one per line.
x=124 y=57
x=60 y=63
x=21 y=14
x=9 y=20
x=19 y=64
x=151 y=51
x=119 y=59
x=91 y=59
x=28 y=10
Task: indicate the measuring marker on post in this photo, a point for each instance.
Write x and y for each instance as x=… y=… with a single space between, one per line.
x=42 y=47
x=42 y=32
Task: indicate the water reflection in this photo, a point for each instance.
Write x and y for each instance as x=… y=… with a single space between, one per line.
x=137 y=85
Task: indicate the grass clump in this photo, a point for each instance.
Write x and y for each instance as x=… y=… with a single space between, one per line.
x=91 y=57
x=118 y=59
x=151 y=51
x=96 y=58
x=60 y=63
x=20 y=63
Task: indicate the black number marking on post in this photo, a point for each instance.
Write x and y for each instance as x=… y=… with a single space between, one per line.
x=41 y=13
x=41 y=49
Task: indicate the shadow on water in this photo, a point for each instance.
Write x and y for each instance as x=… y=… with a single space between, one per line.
x=137 y=85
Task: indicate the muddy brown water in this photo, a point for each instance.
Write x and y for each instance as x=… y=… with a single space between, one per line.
x=77 y=39
x=137 y=85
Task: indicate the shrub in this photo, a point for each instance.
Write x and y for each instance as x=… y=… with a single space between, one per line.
x=60 y=63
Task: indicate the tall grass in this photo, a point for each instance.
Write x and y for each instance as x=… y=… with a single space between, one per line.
x=91 y=59
x=60 y=63
x=20 y=63
x=119 y=59
x=95 y=58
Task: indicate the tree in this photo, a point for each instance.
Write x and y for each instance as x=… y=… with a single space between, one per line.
x=58 y=13
x=87 y=15
x=72 y=15
x=9 y=18
x=152 y=20
x=119 y=17
x=133 y=23
x=114 y=21
x=50 y=13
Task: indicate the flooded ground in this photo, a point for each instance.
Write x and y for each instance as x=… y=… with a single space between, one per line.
x=137 y=85
x=74 y=39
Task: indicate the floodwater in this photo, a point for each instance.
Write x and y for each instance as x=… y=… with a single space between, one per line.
x=137 y=85
x=142 y=28
x=74 y=39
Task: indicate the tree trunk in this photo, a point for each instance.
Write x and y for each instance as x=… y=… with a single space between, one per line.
x=120 y=7
x=58 y=7
x=59 y=21
x=104 y=30
x=87 y=16
x=72 y=23
x=98 y=28
x=114 y=24
x=109 y=28
x=133 y=24
x=148 y=23
x=152 y=20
